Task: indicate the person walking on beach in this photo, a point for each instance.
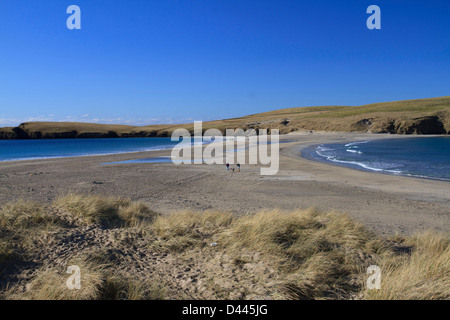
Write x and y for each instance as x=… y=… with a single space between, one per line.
x=228 y=166
x=239 y=167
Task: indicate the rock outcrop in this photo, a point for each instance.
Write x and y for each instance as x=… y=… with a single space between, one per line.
x=422 y=125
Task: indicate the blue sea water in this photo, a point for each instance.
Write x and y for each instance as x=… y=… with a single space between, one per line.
x=424 y=157
x=14 y=150
x=11 y=150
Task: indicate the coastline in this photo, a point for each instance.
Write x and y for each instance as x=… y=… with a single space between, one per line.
x=310 y=153
x=386 y=204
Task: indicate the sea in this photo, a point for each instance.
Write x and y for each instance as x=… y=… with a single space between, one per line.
x=13 y=150
x=35 y=149
x=422 y=157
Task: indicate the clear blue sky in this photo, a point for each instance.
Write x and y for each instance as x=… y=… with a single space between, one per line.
x=153 y=61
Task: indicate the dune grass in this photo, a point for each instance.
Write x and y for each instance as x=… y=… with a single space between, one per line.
x=99 y=282
x=25 y=215
x=188 y=229
x=317 y=255
x=321 y=255
x=113 y=212
x=424 y=274
x=317 y=252
x=23 y=224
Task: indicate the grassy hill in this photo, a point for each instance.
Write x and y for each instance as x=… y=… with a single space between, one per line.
x=423 y=116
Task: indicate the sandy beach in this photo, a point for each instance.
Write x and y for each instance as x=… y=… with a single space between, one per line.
x=386 y=204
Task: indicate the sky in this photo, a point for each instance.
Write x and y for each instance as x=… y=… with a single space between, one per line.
x=145 y=62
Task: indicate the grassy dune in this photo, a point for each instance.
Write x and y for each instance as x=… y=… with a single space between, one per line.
x=423 y=116
x=126 y=251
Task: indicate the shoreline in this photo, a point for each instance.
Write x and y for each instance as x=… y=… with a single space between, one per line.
x=386 y=204
x=283 y=136
x=81 y=156
x=310 y=151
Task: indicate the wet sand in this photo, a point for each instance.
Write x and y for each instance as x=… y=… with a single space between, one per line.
x=386 y=204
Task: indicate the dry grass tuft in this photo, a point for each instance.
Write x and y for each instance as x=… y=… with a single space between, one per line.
x=110 y=212
x=423 y=274
x=98 y=282
x=25 y=215
x=189 y=229
x=22 y=223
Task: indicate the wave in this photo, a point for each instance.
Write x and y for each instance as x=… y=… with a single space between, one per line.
x=325 y=152
x=356 y=143
x=364 y=165
x=354 y=151
x=428 y=161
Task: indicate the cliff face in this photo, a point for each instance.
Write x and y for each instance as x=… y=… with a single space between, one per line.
x=71 y=131
x=13 y=133
x=378 y=123
x=19 y=133
x=423 y=125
